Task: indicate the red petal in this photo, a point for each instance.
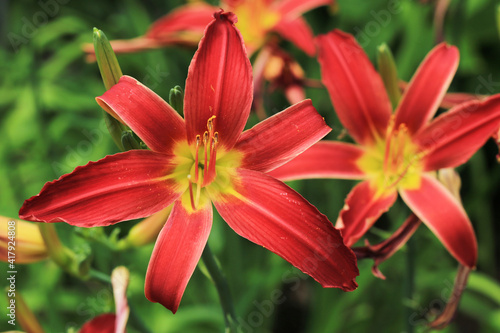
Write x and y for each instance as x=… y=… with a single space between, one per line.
x=427 y=88
x=298 y=32
x=118 y=187
x=146 y=113
x=295 y=8
x=325 y=159
x=362 y=209
x=357 y=91
x=282 y=137
x=219 y=83
x=188 y=19
x=104 y=323
x=452 y=138
x=444 y=215
x=271 y=214
x=177 y=251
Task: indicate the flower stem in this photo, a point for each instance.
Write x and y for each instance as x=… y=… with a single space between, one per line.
x=220 y=282
x=95 y=274
x=60 y=254
x=410 y=281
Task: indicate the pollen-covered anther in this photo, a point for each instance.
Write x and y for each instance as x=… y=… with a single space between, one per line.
x=210 y=143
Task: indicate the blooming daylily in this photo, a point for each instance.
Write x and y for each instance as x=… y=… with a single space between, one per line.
x=204 y=159
x=397 y=152
x=257 y=18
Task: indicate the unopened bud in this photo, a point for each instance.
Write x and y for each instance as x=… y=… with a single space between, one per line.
x=451 y=180
x=176 y=99
x=389 y=73
x=147 y=230
x=106 y=60
x=21 y=241
x=110 y=73
x=129 y=141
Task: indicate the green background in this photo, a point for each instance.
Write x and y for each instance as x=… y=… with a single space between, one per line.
x=50 y=123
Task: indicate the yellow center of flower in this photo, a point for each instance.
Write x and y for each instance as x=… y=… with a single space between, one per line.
x=203 y=165
x=394 y=161
x=255 y=19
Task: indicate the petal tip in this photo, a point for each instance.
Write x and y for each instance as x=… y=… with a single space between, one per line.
x=229 y=16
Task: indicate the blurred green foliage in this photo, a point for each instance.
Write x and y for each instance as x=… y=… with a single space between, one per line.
x=50 y=124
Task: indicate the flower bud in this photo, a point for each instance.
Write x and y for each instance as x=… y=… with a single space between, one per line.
x=389 y=73
x=451 y=180
x=21 y=241
x=106 y=60
x=110 y=73
x=147 y=230
x=129 y=141
x=176 y=99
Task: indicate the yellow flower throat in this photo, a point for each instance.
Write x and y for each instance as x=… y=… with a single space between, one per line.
x=204 y=165
x=393 y=161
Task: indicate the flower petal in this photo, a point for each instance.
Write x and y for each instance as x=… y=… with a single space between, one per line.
x=118 y=187
x=453 y=137
x=177 y=251
x=444 y=215
x=219 y=83
x=189 y=20
x=356 y=89
x=146 y=113
x=325 y=159
x=282 y=137
x=269 y=213
x=104 y=323
x=363 y=206
x=427 y=88
x=295 y=8
x=298 y=32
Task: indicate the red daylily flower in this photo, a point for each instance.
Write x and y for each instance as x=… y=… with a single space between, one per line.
x=397 y=152
x=204 y=159
x=257 y=18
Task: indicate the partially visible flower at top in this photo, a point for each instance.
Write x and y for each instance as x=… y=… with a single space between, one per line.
x=397 y=152
x=25 y=239
x=280 y=70
x=113 y=322
x=257 y=18
x=204 y=159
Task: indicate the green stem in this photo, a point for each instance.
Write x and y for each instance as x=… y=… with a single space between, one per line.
x=94 y=274
x=410 y=281
x=222 y=288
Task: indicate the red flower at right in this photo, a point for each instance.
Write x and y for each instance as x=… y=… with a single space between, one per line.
x=400 y=151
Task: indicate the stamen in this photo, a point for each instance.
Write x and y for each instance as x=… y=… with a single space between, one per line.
x=196 y=158
x=191 y=192
x=205 y=142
